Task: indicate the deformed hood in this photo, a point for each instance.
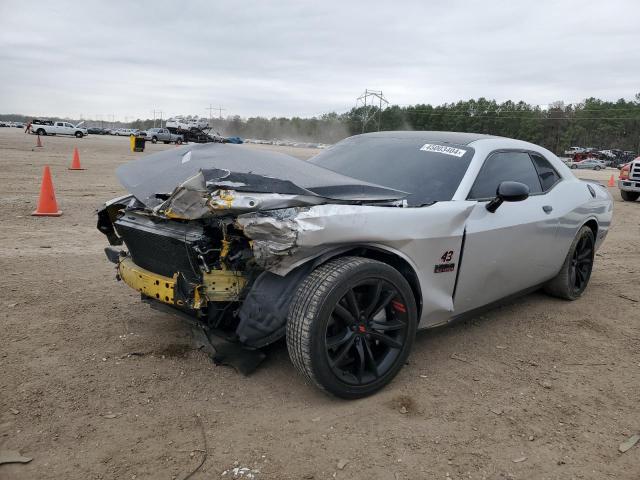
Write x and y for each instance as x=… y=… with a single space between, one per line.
x=243 y=169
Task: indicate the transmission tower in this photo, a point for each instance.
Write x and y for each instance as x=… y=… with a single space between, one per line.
x=367 y=101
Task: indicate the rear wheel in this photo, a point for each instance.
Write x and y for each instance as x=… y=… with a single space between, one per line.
x=179 y=141
x=576 y=269
x=629 y=196
x=351 y=326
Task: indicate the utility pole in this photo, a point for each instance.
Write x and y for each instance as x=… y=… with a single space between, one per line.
x=154 y=117
x=368 y=108
x=211 y=108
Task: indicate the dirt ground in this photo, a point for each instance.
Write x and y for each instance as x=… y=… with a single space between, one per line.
x=95 y=385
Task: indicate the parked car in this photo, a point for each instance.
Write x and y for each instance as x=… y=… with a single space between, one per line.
x=59 y=128
x=95 y=130
x=124 y=132
x=590 y=163
x=629 y=181
x=348 y=254
x=163 y=135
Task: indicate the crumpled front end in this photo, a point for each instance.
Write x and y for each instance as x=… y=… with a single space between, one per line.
x=230 y=247
x=188 y=248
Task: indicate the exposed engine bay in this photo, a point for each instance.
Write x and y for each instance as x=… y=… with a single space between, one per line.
x=219 y=245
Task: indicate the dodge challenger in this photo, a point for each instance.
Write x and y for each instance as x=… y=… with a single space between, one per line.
x=348 y=254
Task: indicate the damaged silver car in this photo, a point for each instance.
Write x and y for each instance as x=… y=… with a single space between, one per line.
x=349 y=253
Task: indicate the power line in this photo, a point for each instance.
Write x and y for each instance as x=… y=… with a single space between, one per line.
x=220 y=110
x=368 y=111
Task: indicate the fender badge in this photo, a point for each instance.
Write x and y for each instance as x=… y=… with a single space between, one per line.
x=444 y=267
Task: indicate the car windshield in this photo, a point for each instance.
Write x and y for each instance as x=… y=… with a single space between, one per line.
x=429 y=171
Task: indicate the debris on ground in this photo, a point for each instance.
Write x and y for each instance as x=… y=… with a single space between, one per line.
x=460 y=358
x=10 y=456
x=629 y=443
x=241 y=472
x=14 y=411
x=342 y=463
x=519 y=459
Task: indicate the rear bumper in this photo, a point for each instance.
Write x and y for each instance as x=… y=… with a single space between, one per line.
x=629 y=185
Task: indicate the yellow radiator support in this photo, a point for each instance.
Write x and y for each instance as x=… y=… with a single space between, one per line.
x=223 y=285
x=151 y=284
x=218 y=285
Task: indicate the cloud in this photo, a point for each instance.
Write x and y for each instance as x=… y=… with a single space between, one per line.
x=304 y=57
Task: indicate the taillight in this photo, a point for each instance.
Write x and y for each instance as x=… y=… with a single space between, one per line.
x=624 y=172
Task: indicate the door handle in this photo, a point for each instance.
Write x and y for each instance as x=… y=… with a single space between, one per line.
x=547 y=209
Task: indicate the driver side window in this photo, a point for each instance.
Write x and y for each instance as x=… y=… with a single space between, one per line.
x=501 y=167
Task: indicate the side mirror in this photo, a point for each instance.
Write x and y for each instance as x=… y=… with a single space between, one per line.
x=508 y=192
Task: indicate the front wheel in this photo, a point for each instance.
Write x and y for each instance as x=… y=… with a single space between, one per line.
x=154 y=139
x=179 y=141
x=596 y=168
x=351 y=325
x=41 y=131
x=576 y=269
x=574 y=166
x=629 y=196
x=79 y=135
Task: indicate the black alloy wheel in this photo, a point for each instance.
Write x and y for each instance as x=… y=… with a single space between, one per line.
x=581 y=263
x=366 y=331
x=575 y=272
x=351 y=325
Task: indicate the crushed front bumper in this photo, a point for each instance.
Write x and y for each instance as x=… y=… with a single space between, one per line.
x=150 y=284
x=216 y=286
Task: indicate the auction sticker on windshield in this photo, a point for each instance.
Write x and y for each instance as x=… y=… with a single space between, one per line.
x=456 y=152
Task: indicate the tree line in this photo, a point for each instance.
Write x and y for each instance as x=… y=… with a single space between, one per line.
x=591 y=123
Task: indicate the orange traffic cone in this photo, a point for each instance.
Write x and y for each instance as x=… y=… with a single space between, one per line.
x=75 y=163
x=612 y=182
x=47 y=205
x=38 y=142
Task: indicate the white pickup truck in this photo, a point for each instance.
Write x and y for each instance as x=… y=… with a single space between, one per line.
x=629 y=181
x=59 y=128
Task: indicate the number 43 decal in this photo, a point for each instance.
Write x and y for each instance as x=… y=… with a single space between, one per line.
x=446 y=256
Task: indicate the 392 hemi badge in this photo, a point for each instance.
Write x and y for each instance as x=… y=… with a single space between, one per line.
x=447 y=265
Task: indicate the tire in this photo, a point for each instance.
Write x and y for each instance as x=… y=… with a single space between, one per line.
x=574 y=166
x=596 y=168
x=79 y=135
x=629 y=196
x=42 y=131
x=179 y=141
x=374 y=348
x=573 y=278
x=154 y=139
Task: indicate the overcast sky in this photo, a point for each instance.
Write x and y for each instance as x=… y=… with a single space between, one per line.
x=97 y=59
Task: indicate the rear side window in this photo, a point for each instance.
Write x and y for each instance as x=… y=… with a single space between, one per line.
x=501 y=167
x=548 y=175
